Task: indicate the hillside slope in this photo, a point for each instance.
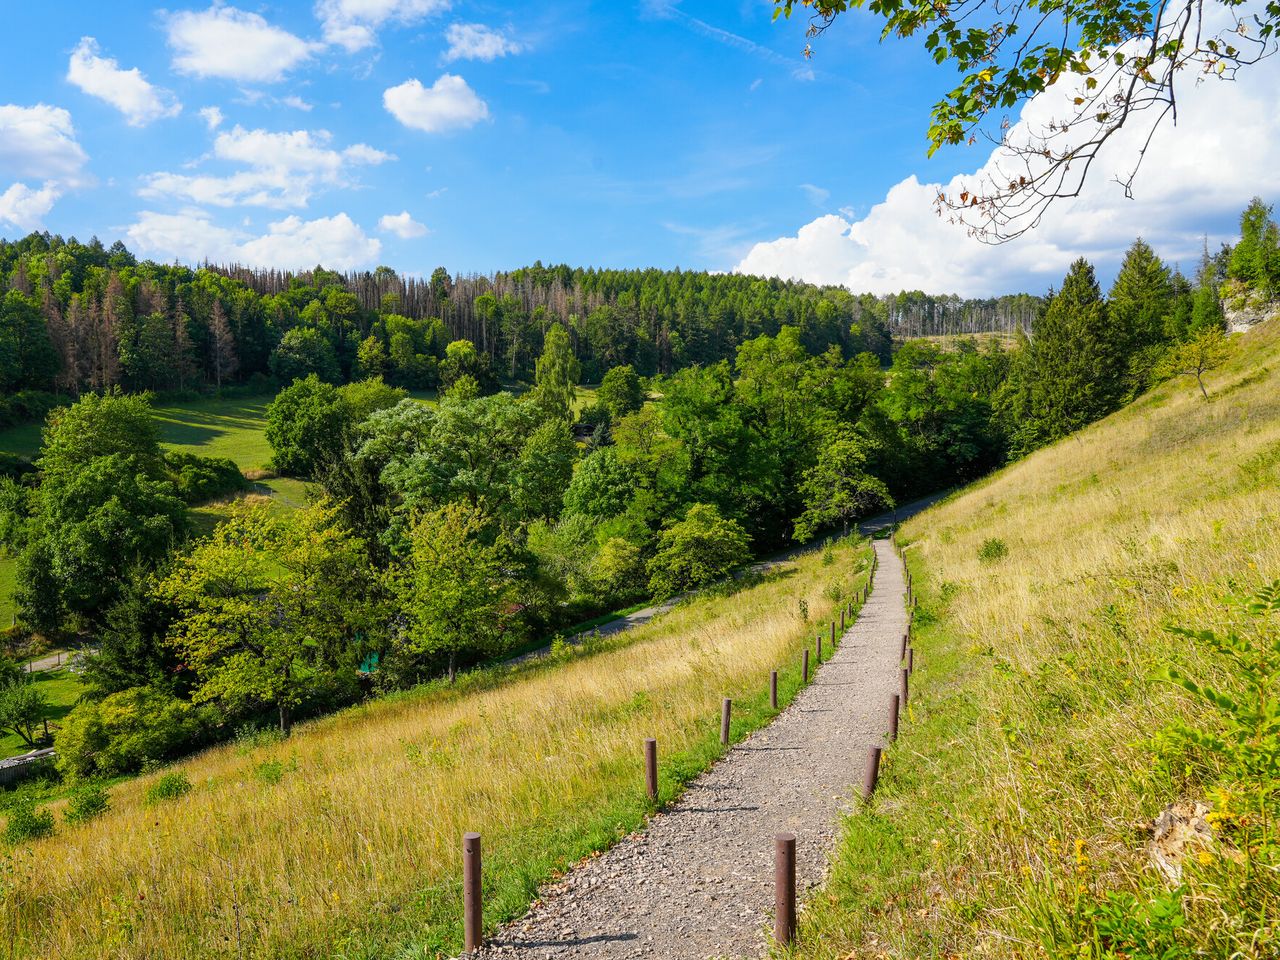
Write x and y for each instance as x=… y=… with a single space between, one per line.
x=1041 y=745
x=345 y=839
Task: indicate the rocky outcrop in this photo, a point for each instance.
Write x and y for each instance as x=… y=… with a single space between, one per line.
x=1245 y=308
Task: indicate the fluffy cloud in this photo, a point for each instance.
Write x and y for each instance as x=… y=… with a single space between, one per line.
x=234 y=45
x=475 y=41
x=37 y=143
x=1224 y=150
x=26 y=208
x=353 y=24
x=211 y=116
x=336 y=242
x=448 y=104
x=402 y=225
x=126 y=90
x=283 y=169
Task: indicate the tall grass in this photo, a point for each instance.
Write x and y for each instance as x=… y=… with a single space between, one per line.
x=344 y=840
x=1013 y=819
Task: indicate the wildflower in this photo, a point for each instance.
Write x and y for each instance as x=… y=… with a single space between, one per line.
x=1205 y=858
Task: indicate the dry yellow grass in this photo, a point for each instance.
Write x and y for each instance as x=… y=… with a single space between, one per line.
x=344 y=840
x=1035 y=750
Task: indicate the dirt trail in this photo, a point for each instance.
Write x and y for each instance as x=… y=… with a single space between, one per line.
x=698 y=882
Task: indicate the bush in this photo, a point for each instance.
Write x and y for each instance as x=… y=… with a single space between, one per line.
x=171 y=786
x=27 y=823
x=120 y=733
x=700 y=549
x=88 y=802
x=201 y=479
x=992 y=549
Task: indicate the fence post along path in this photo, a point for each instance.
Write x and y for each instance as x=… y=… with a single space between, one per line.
x=698 y=881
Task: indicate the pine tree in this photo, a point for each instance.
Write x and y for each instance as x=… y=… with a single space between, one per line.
x=1141 y=298
x=1075 y=376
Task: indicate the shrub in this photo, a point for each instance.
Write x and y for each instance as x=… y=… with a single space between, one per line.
x=88 y=802
x=119 y=733
x=201 y=479
x=700 y=549
x=992 y=549
x=171 y=786
x=270 y=772
x=27 y=823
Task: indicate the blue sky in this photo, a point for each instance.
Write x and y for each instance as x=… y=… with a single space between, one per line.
x=483 y=136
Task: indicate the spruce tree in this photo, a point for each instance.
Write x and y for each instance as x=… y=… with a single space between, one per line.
x=1140 y=304
x=1075 y=360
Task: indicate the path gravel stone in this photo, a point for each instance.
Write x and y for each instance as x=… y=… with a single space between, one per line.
x=697 y=882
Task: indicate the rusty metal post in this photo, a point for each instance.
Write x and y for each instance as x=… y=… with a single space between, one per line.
x=893 y=717
x=911 y=659
x=833 y=636
x=805 y=677
x=472 y=917
x=819 y=660
x=726 y=711
x=773 y=689
x=871 y=775
x=784 y=888
x=903 y=692
x=904 y=647
x=651 y=768
x=842 y=621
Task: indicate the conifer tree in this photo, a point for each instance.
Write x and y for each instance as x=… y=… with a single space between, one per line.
x=1072 y=363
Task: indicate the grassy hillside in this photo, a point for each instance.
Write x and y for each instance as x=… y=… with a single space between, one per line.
x=1041 y=744
x=345 y=839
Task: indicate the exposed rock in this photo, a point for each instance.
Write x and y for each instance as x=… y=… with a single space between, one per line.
x=1181 y=829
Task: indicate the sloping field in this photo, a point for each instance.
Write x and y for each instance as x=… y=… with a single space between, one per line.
x=345 y=840
x=1014 y=820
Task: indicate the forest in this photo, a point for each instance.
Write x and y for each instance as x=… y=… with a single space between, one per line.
x=734 y=416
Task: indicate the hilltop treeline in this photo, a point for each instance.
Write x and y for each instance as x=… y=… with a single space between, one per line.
x=83 y=317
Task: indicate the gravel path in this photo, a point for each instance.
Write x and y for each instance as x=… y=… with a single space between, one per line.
x=698 y=881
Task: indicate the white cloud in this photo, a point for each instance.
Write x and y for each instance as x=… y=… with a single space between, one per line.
x=293 y=243
x=283 y=169
x=1224 y=150
x=336 y=242
x=353 y=24
x=26 y=208
x=818 y=196
x=37 y=143
x=475 y=41
x=297 y=103
x=447 y=104
x=402 y=225
x=211 y=116
x=126 y=90
x=234 y=45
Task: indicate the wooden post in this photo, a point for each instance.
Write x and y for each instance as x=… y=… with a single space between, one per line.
x=893 y=717
x=472 y=915
x=871 y=774
x=651 y=768
x=784 y=888
x=773 y=689
x=805 y=668
x=726 y=710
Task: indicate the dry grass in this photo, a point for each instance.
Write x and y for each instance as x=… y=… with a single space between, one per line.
x=1035 y=749
x=344 y=840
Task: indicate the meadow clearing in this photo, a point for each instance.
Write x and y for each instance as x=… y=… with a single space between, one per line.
x=1039 y=741
x=344 y=840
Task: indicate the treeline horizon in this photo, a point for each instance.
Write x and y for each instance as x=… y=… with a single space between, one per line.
x=84 y=317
